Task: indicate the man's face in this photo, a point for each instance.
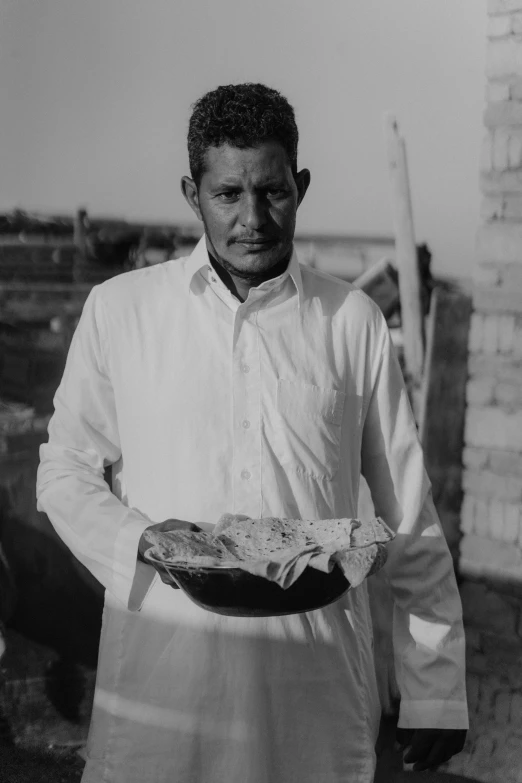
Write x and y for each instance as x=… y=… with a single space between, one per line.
x=247 y=200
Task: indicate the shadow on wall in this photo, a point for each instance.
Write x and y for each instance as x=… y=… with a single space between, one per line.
x=49 y=598
x=56 y=601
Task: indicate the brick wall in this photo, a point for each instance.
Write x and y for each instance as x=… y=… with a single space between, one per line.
x=492 y=508
x=490 y=560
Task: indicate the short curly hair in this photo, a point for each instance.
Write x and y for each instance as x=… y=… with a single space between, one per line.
x=244 y=116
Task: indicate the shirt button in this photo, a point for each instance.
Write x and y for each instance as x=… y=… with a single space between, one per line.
x=245 y=474
x=245 y=368
x=246 y=424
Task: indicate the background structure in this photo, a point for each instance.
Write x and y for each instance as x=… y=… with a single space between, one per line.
x=491 y=520
x=99 y=96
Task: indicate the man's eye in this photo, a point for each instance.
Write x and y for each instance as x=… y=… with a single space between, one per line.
x=228 y=195
x=275 y=194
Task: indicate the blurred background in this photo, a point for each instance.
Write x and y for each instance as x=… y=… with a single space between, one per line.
x=95 y=104
x=99 y=96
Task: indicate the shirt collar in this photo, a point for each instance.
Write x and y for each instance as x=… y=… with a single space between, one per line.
x=199 y=259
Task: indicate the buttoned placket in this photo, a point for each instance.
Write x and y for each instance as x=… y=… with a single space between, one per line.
x=246 y=391
x=246 y=412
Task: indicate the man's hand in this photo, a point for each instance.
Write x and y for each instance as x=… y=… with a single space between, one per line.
x=429 y=748
x=164 y=527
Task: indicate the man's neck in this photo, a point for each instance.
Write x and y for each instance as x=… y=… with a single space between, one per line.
x=240 y=286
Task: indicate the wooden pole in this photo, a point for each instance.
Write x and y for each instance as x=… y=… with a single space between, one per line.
x=406 y=259
x=80 y=241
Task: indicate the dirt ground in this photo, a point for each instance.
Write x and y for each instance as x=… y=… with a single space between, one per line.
x=65 y=766
x=23 y=766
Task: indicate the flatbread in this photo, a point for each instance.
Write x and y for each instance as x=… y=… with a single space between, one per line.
x=188 y=547
x=359 y=548
x=261 y=538
x=280 y=549
x=357 y=564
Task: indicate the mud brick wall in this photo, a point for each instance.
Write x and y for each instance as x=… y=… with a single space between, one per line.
x=490 y=562
x=492 y=510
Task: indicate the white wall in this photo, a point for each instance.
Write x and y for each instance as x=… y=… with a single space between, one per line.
x=95 y=98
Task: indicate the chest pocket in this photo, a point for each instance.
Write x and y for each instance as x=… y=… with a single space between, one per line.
x=307 y=428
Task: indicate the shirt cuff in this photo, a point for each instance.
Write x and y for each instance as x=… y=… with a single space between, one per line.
x=433 y=714
x=131 y=579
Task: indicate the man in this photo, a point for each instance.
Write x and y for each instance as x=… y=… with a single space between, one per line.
x=236 y=380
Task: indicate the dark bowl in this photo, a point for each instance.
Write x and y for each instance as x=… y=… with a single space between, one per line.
x=231 y=591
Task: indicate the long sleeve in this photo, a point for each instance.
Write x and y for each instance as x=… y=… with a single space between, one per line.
x=98 y=528
x=428 y=635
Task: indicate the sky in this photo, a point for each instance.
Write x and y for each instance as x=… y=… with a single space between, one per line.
x=96 y=98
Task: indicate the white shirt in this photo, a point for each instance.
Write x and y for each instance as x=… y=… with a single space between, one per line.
x=271 y=407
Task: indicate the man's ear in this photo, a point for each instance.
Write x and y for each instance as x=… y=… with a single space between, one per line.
x=190 y=192
x=302 y=180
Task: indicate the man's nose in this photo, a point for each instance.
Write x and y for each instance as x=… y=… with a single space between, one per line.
x=253 y=213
